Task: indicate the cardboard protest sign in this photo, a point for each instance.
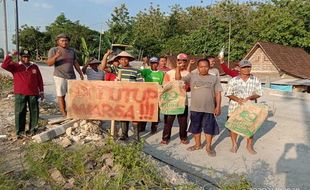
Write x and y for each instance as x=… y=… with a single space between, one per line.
x=112 y=100
x=172 y=98
x=246 y=119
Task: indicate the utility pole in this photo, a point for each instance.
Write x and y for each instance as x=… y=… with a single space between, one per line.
x=229 y=36
x=5 y=29
x=16 y=27
x=99 y=48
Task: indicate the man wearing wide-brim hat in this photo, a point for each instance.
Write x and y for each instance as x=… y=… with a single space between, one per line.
x=90 y=69
x=128 y=73
x=64 y=60
x=111 y=69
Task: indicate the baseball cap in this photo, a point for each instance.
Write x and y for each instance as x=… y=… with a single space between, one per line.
x=182 y=56
x=154 y=60
x=245 y=63
x=25 y=53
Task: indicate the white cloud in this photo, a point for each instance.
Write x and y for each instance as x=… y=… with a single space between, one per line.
x=43 y=5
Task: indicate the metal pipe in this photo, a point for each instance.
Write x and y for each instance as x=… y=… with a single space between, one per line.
x=16 y=27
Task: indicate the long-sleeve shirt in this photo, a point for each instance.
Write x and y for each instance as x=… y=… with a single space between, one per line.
x=27 y=78
x=230 y=72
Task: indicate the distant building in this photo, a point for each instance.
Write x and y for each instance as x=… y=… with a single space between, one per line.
x=284 y=68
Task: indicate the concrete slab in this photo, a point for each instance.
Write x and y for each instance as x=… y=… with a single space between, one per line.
x=52 y=133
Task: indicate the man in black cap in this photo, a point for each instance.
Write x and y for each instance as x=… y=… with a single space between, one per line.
x=64 y=59
x=28 y=87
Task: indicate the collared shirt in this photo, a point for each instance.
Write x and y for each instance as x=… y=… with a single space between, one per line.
x=242 y=89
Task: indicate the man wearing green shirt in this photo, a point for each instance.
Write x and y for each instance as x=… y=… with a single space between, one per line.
x=152 y=74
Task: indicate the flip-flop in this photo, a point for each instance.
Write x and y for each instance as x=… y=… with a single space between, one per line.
x=193 y=148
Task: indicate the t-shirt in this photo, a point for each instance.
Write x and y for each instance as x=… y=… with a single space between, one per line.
x=129 y=74
x=203 y=90
x=64 y=64
x=212 y=71
x=152 y=76
x=215 y=72
x=94 y=75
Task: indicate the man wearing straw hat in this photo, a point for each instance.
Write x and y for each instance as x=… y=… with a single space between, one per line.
x=128 y=73
x=90 y=69
x=112 y=68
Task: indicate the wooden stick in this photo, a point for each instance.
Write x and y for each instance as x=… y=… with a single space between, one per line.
x=113 y=128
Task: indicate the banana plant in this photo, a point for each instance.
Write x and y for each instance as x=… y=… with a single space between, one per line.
x=86 y=52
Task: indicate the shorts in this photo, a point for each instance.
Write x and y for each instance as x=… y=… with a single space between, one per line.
x=61 y=85
x=205 y=121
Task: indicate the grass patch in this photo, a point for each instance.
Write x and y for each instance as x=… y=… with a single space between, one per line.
x=130 y=168
x=236 y=182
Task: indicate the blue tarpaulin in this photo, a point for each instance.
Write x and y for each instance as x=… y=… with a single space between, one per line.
x=281 y=87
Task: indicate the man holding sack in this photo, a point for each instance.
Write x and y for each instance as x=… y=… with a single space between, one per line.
x=241 y=89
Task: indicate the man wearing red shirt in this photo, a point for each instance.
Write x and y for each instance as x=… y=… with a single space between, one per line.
x=231 y=72
x=28 y=86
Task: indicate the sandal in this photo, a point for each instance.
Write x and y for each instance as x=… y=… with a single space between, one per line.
x=193 y=148
x=164 y=142
x=184 y=141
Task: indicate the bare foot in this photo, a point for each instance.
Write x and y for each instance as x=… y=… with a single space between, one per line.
x=251 y=150
x=234 y=149
x=211 y=152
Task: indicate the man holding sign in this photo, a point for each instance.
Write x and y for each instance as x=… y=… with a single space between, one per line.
x=205 y=103
x=128 y=73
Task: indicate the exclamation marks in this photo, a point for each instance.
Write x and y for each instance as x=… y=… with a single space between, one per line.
x=146 y=111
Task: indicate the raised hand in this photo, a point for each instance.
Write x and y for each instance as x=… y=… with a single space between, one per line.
x=192 y=61
x=58 y=53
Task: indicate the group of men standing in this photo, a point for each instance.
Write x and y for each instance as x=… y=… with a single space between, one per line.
x=203 y=83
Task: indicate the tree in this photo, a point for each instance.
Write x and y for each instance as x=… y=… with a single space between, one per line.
x=120 y=25
x=148 y=31
x=31 y=38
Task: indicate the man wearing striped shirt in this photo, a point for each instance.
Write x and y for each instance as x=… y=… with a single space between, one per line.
x=241 y=89
x=128 y=73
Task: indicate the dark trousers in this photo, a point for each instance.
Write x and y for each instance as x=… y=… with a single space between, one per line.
x=21 y=102
x=182 y=119
x=142 y=126
x=125 y=128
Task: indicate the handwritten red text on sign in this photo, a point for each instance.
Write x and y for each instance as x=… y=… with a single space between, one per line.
x=107 y=100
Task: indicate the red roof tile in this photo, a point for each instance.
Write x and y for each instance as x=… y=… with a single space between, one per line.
x=290 y=60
